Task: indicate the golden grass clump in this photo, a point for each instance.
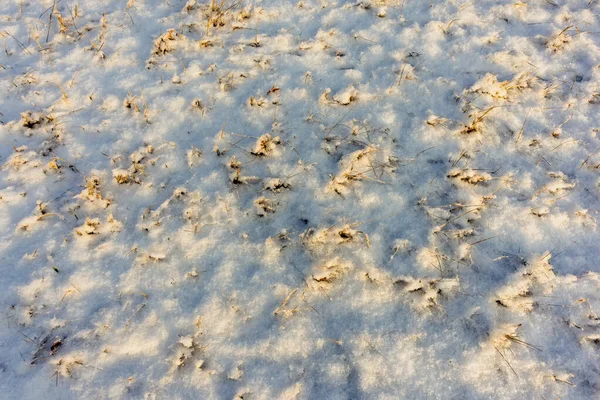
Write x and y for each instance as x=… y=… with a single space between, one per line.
x=33 y=120
x=427 y=291
x=470 y=176
x=264 y=206
x=517 y=294
x=265 y=145
x=367 y=164
x=330 y=271
x=166 y=42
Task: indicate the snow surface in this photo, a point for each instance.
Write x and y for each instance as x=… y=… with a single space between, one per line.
x=320 y=199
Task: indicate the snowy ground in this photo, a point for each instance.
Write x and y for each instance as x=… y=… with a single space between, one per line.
x=316 y=199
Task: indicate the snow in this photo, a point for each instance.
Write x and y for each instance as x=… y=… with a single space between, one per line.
x=315 y=199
